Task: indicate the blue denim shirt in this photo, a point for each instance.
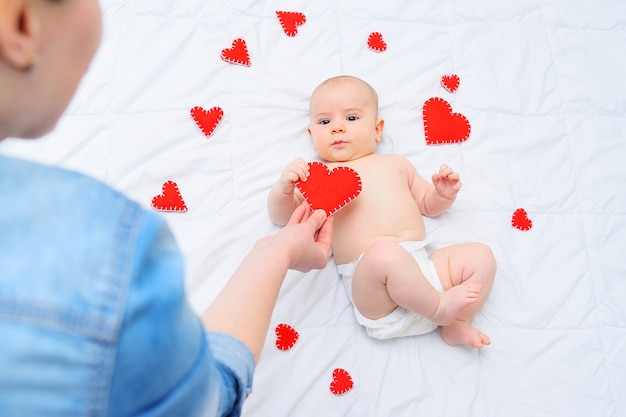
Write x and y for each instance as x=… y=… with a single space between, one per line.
x=93 y=315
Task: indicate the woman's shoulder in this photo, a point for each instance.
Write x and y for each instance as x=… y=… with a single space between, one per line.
x=86 y=238
x=52 y=188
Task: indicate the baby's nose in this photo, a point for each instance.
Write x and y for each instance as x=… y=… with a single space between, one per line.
x=338 y=128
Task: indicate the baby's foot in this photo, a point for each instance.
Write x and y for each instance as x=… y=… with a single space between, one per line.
x=462 y=333
x=454 y=301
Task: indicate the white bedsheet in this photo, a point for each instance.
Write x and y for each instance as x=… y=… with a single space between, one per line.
x=543 y=85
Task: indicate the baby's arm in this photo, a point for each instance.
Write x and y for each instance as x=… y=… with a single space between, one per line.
x=436 y=198
x=283 y=198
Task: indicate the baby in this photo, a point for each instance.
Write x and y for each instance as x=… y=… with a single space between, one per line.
x=379 y=238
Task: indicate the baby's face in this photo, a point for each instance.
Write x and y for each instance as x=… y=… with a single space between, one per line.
x=344 y=124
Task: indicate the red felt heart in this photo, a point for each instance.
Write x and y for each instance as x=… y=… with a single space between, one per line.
x=237 y=53
x=441 y=125
x=450 y=82
x=170 y=200
x=520 y=220
x=376 y=43
x=290 y=21
x=286 y=336
x=342 y=382
x=329 y=189
x=207 y=120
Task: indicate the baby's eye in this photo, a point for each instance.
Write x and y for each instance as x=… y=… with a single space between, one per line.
x=324 y=121
x=352 y=118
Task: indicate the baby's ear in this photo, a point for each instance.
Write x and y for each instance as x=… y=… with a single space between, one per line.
x=380 y=124
x=308 y=130
x=18 y=34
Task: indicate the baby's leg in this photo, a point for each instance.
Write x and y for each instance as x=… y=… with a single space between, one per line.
x=388 y=276
x=459 y=266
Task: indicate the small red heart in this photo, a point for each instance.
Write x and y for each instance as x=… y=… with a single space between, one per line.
x=376 y=43
x=170 y=200
x=329 y=189
x=443 y=126
x=237 y=53
x=290 y=21
x=342 y=382
x=520 y=220
x=286 y=336
x=207 y=120
x=450 y=82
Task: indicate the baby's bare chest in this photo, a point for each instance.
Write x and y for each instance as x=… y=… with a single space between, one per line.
x=391 y=183
x=384 y=202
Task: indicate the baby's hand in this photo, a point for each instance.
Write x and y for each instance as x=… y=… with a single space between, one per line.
x=296 y=170
x=447 y=182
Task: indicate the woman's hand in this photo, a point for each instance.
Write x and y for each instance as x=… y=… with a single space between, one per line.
x=306 y=238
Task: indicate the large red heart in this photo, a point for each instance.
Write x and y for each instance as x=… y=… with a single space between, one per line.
x=207 y=120
x=441 y=125
x=376 y=43
x=237 y=53
x=290 y=21
x=286 y=336
x=520 y=220
x=450 y=82
x=329 y=190
x=342 y=382
x=170 y=200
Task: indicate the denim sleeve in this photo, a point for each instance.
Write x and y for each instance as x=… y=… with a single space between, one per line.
x=166 y=364
x=236 y=367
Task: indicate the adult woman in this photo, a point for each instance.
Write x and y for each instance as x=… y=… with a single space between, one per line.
x=93 y=316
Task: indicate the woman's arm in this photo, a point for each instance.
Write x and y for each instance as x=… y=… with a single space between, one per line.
x=244 y=307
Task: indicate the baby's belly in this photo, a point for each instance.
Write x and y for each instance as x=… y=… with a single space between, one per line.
x=348 y=247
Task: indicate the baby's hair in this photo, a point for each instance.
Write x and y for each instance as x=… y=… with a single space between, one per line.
x=348 y=78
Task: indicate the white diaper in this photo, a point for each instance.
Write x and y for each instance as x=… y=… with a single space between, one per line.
x=399 y=322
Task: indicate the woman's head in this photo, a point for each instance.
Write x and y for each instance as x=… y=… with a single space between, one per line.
x=46 y=47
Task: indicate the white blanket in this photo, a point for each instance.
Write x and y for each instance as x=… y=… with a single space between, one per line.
x=543 y=86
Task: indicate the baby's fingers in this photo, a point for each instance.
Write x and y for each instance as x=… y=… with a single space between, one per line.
x=445 y=170
x=300 y=169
